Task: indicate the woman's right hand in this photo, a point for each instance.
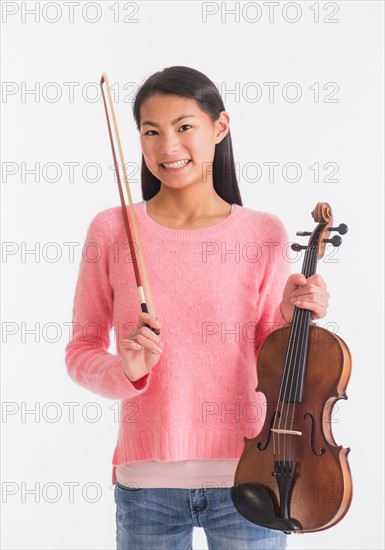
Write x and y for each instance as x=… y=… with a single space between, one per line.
x=141 y=350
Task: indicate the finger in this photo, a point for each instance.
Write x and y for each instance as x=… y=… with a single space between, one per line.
x=148 y=319
x=314 y=299
x=132 y=341
x=312 y=291
x=317 y=280
x=145 y=331
x=318 y=310
x=294 y=281
x=148 y=343
x=136 y=346
x=148 y=333
x=130 y=344
x=297 y=279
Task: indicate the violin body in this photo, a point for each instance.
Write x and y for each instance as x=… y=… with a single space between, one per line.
x=321 y=491
x=293 y=476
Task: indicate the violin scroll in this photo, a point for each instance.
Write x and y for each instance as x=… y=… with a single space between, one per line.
x=323 y=215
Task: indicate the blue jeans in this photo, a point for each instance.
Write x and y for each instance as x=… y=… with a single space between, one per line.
x=163 y=519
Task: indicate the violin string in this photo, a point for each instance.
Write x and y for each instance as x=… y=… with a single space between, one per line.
x=294 y=345
x=296 y=350
x=278 y=413
x=309 y=269
x=290 y=371
x=286 y=376
x=283 y=390
x=294 y=370
x=277 y=417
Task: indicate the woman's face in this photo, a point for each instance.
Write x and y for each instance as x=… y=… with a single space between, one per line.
x=174 y=128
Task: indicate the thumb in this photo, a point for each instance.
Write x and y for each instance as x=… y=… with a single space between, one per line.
x=293 y=282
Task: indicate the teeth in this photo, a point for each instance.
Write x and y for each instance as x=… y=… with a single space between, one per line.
x=177 y=164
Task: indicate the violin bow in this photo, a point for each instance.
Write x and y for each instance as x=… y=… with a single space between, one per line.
x=142 y=283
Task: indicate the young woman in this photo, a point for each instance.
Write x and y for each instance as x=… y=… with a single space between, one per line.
x=221 y=283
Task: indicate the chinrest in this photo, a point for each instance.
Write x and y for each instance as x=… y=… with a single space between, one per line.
x=255 y=504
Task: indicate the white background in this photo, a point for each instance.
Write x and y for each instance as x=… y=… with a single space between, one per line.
x=53 y=127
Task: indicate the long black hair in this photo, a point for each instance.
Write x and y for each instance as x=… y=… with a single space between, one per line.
x=190 y=83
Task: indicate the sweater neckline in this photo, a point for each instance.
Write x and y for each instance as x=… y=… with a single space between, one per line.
x=187 y=234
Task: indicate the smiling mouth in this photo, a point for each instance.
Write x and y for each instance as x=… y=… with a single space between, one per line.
x=177 y=164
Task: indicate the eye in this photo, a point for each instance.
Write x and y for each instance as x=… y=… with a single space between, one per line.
x=184 y=126
x=148 y=132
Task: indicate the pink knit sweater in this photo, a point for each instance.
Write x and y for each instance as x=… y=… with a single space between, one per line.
x=216 y=291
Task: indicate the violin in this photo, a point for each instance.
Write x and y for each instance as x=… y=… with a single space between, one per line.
x=293 y=477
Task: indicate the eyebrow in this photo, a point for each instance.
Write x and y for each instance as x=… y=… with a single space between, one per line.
x=150 y=123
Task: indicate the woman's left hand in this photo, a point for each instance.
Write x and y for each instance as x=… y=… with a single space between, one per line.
x=305 y=293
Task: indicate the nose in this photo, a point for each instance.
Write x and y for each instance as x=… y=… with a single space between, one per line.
x=169 y=143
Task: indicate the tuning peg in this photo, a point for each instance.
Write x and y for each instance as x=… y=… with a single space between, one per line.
x=303 y=233
x=297 y=247
x=335 y=241
x=342 y=229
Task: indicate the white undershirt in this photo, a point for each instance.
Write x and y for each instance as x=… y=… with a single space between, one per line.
x=181 y=474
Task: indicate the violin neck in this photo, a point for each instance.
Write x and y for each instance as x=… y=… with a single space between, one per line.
x=309 y=267
x=296 y=356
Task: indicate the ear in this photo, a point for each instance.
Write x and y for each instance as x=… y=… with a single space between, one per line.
x=221 y=126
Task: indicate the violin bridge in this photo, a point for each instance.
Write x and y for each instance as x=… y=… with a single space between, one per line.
x=286 y=432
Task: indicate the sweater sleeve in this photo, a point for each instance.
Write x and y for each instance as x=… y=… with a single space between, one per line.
x=277 y=270
x=87 y=360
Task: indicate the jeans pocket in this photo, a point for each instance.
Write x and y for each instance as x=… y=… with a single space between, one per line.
x=132 y=488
